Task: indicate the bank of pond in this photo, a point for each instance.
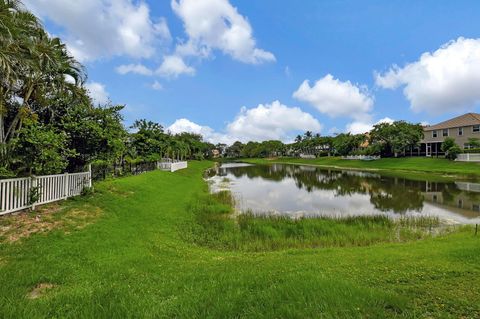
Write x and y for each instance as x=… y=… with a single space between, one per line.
x=262 y=207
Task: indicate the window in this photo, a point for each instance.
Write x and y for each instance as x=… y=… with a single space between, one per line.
x=460 y=131
x=445 y=132
x=460 y=203
x=476 y=128
x=466 y=146
x=434 y=134
x=476 y=208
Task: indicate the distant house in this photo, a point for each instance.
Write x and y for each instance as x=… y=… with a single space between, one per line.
x=460 y=128
x=366 y=142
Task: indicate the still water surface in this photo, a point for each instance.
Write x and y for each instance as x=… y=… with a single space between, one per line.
x=311 y=191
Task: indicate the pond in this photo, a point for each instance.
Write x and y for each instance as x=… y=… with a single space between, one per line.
x=307 y=191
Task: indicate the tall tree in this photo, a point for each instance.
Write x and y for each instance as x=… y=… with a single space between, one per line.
x=396 y=137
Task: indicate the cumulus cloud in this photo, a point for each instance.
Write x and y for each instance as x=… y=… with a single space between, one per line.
x=209 y=134
x=336 y=98
x=104 y=28
x=216 y=24
x=173 y=66
x=97 y=92
x=134 y=68
x=184 y=125
x=157 y=86
x=273 y=121
x=359 y=127
x=447 y=80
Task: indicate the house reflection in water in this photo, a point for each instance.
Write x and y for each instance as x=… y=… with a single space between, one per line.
x=312 y=191
x=464 y=201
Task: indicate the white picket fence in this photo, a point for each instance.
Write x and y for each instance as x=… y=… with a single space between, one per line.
x=171 y=166
x=16 y=193
x=469 y=187
x=361 y=157
x=468 y=157
x=178 y=165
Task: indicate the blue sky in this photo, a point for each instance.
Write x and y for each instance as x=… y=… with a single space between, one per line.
x=234 y=69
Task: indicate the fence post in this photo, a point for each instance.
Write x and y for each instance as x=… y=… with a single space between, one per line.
x=34 y=187
x=66 y=186
x=90 y=175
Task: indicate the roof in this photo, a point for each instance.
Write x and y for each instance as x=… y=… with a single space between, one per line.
x=468 y=119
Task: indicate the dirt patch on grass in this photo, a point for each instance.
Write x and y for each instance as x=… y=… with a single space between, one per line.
x=122 y=193
x=46 y=219
x=40 y=290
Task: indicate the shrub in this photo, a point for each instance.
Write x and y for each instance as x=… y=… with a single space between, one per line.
x=450 y=148
x=453 y=152
x=472 y=150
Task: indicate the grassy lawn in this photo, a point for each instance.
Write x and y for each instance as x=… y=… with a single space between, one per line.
x=415 y=164
x=157 y=245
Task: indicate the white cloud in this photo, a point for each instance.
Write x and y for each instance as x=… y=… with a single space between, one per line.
x=447 y=80
x=335 y=98
x=97 y=92
x=184 y=125
x=157 y=86
x=173 y=66
x=209 y=134
x=359 y=127
x=273 y=121
x=134 y=68
x=270 y=122
x=216 y=24
x=104 y=28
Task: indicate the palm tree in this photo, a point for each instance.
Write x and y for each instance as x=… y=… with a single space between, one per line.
x=308 y=135
x=33 y=71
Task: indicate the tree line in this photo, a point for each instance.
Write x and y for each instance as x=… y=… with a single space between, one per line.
x=386 y=139
x=48 y=122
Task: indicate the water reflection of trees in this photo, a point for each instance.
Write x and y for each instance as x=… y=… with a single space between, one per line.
x=386 y=193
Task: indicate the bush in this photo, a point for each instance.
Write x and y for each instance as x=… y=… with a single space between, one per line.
x=453 y=152
x=472 y=150
x=450 y=148
x=448 y=144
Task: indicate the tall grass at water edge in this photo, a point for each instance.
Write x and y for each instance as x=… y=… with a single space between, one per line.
x=218 y=227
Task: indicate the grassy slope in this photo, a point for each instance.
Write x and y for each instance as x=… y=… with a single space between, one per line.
x=134 y=262
x=415 y=164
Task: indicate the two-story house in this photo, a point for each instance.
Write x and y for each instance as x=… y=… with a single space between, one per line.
x=460 y=128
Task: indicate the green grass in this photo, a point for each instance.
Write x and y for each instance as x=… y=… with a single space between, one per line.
x=142 y=258
x=216 y=228
x=404 y=165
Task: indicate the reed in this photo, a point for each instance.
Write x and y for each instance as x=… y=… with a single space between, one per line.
x=217 y=227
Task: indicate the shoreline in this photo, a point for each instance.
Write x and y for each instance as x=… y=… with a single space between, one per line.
x=468 y=176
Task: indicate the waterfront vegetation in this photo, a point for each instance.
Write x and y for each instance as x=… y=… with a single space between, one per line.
x=215 y=228
x=401 y=165
x=49 y=124
x=158 y=245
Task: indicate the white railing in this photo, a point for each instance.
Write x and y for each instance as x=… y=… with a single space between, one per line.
x=179 y=165
x=307 y=156
x=469 y=187
x=22 y=193
x=171 y=165
x=469 y=157
x=361 y=157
